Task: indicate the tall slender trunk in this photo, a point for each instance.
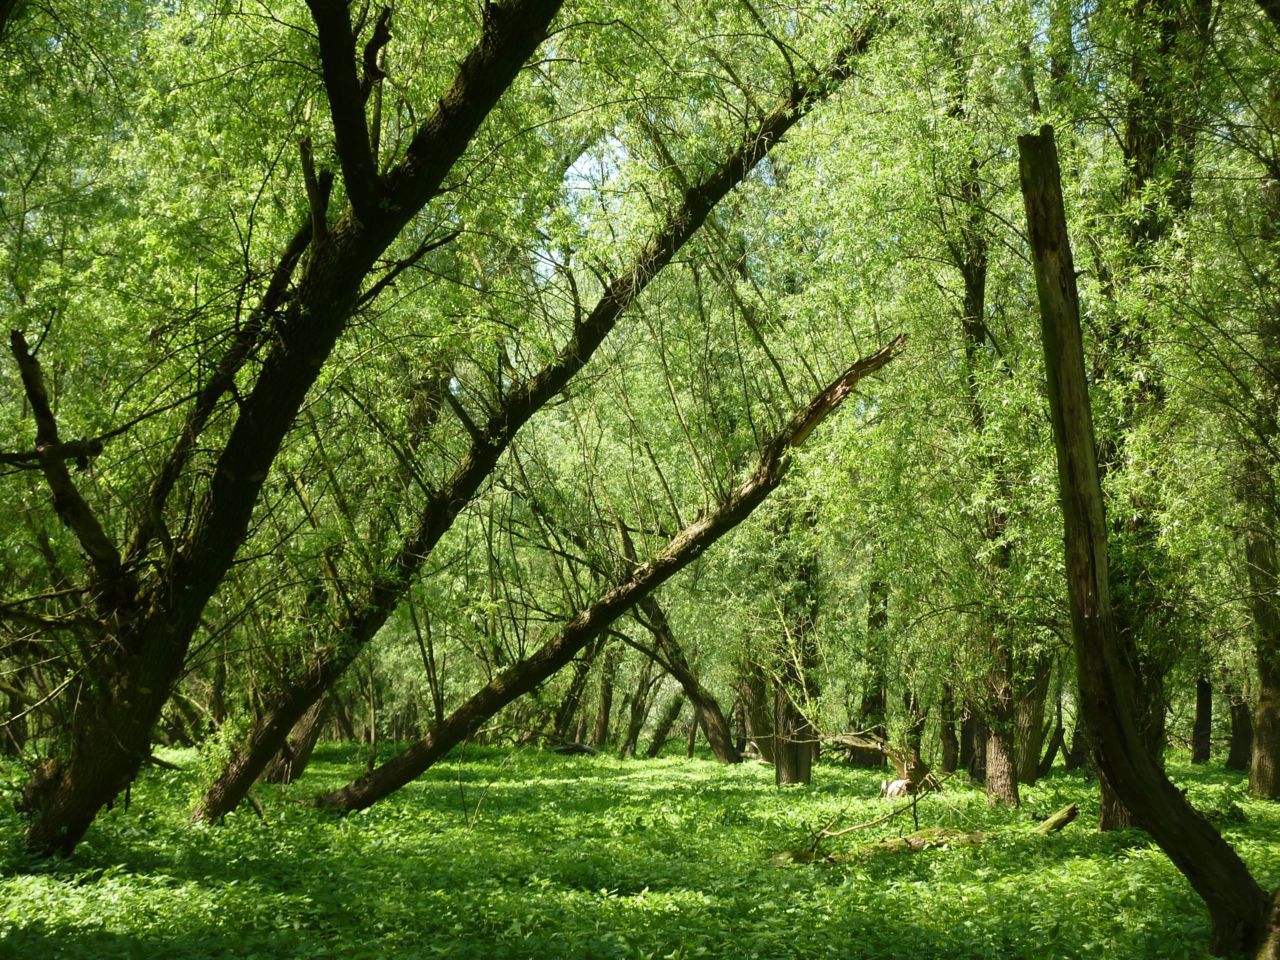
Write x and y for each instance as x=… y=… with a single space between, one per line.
x=872 y=710
x=1202 y=727
x=641 y=701
x=695 y=723
x=950 y=745
x=973 y=745
x=1237 y=905
x=1002 y=767
x=604 y=704
x=1029 y=721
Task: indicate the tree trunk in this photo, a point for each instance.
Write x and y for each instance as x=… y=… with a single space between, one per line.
x=758 y=709
x=1056 y=740
x=950 y=745
x=290 y=762
x=641 y=701
x=1002 y=768
x=793 y=750
x=1202 y=728
x=695 y=722
x=562 y=728
x=604 y=705
x=1029 y=721
x=1237 y=905
x=871 y=713
x=1240 y=754
x=973 y=745
x=714 y=723
x=667 y=720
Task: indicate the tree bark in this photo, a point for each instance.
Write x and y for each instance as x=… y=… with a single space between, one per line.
x=950 y=745
x=1002 y=768
x=973 y=745
x=872 y=711
x=1240 y=753
x=1202 y=727
x=1029 y=721
x=1237 y=905
x=641 y=701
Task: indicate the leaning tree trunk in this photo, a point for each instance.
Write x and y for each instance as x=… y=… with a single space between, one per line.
x=293 y=759
x=667 y=720
x=872 y=710
x=1237 y=905
x=1202 y=727
x=714 y=722
x=639 y=582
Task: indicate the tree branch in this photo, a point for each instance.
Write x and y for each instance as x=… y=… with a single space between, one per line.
x=71 y=507
x=346 y=106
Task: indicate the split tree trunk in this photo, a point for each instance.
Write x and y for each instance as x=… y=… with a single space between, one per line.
x=1237 y=905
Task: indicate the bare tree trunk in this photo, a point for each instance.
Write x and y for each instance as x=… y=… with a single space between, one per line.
x=758 y=709
x=973 y=745
x=641 y=701
x=1237 y=905
x=563 y=726
x=871 y=713
x=695 y=722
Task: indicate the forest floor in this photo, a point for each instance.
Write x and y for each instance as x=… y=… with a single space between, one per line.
x=496 y=853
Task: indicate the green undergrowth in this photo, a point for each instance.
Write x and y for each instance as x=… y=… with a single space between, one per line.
x=497 y=853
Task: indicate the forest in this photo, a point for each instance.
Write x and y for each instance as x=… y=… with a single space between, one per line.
x=560 y=478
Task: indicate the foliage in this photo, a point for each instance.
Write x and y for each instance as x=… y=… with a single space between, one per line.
x=522 y=853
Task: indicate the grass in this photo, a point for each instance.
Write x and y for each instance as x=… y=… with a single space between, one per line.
x=529 y=854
